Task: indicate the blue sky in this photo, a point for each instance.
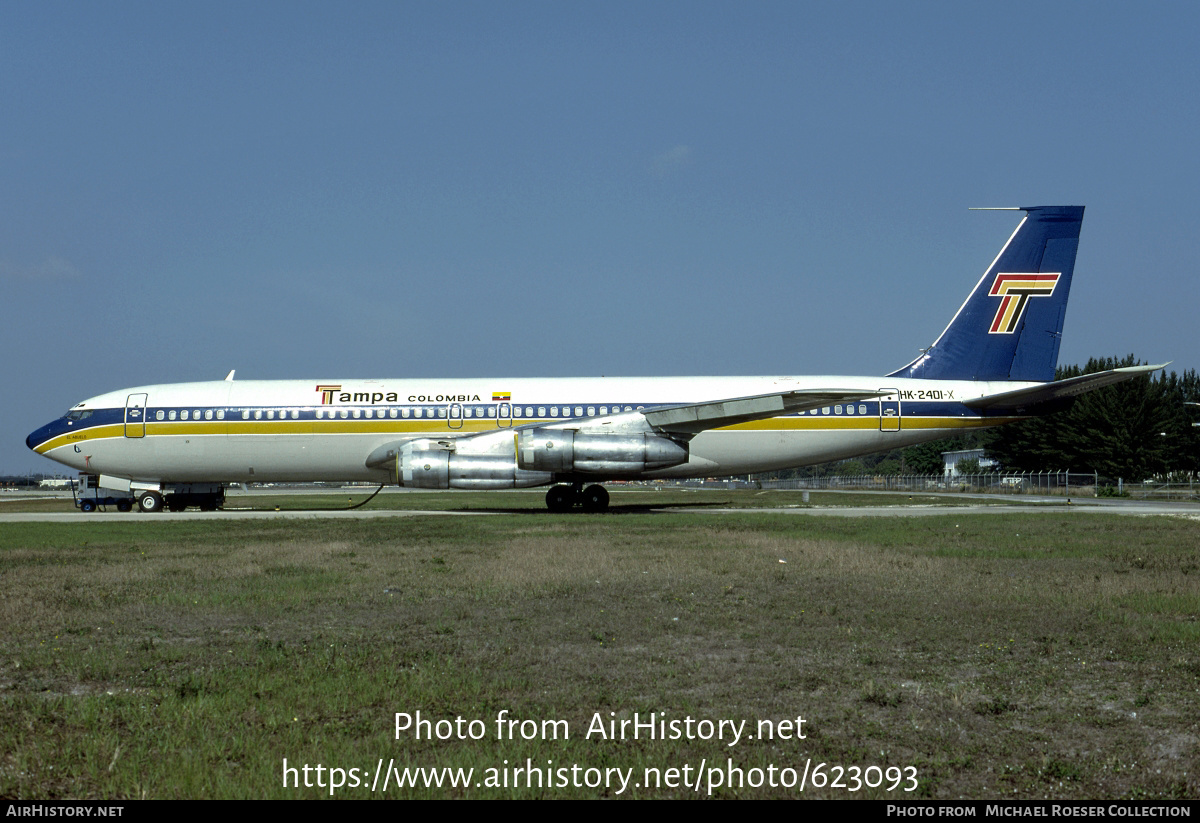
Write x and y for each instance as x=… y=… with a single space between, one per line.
x=335 y=190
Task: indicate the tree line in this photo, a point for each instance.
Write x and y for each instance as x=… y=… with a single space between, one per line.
x=1136 y=430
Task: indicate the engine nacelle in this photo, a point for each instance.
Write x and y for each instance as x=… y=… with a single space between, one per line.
x=422 y=464
x=568 y=451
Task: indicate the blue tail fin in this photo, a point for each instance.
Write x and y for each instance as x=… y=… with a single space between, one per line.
x=1011 y=325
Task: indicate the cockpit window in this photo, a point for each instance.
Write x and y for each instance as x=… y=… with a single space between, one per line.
x=78 y=415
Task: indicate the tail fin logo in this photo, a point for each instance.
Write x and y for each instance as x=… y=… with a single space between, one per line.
x=1014 y=291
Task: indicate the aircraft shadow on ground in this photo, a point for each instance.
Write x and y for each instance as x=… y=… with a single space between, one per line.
x=623 y=508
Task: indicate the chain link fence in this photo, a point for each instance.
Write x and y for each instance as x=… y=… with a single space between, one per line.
x=1052 y=483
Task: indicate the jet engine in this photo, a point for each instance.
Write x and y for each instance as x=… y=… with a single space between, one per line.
x=569 y=451
x=424 y=464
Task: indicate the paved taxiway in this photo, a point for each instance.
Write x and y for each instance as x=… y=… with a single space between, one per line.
x=1035 y=505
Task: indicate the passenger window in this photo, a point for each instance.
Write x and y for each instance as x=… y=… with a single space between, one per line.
x=245 y=414
x=467 y=411
x=825 y=410
x=628 y=408
x=270 y=414
x=357 y=413
x=342 y=413
x=369 y=412
x=257 y=414
x=196 y=414
x=417 y=412
x=295 y=414
x=862 y=409
x=442 y=411
x=220 y=414
x=604 y=409
x=404 y=412
x=392 y=413
x=837 y=409
x=541 y=411
x=159 y=415
x=591 y=411
x=849 y=408
x=491 y=411
x=183 y=415
x=320 y=414
x=208 y=414
x=554 y=411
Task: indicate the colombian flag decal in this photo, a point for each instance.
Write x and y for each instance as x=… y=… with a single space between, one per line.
x=501 y=396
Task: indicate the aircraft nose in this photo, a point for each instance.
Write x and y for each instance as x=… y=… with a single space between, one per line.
x=40 y=436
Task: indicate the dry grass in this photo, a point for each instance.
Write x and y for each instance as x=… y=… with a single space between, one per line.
x=1001 y=655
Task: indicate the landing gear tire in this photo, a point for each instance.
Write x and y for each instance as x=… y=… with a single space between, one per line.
x=150 y=502
x=594 y=498
x=560 y=499
x=124 y=505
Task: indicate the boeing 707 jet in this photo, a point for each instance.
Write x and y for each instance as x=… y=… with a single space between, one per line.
x=177 y=444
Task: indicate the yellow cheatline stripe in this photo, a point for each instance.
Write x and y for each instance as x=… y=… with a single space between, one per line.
x=439 y=427
x=865 y=423
x=80 y=435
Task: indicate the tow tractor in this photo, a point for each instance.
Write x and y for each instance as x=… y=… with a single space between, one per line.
x=90 y=496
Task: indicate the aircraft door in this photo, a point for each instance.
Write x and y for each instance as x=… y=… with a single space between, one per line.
x=504 y=415
x=889 y=411
x=135 y=415
x=455 y=419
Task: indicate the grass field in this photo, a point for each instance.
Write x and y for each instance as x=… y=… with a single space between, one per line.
x=990 y=655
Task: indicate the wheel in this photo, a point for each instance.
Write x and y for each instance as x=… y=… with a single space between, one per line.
x=87 y=505
x=560 y=499
x=124 y=505
x=150 y=502
x=595 y=498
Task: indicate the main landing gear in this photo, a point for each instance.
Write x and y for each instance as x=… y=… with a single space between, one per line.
x=563 y=498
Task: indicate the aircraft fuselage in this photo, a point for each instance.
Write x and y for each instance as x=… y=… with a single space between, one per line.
x=312 y=430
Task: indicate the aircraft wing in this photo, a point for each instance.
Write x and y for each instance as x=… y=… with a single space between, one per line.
x=1059 y=390
x=692 y=418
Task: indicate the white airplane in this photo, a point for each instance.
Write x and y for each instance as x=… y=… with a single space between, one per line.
x=176 y=445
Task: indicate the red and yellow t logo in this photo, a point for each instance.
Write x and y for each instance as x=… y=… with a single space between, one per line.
x=1014 y=291
x=327 y=393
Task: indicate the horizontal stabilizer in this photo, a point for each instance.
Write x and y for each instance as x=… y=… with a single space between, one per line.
x=693 y=418
x=1062 y=389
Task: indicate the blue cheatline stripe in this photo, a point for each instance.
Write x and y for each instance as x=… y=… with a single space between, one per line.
x=109 y=423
